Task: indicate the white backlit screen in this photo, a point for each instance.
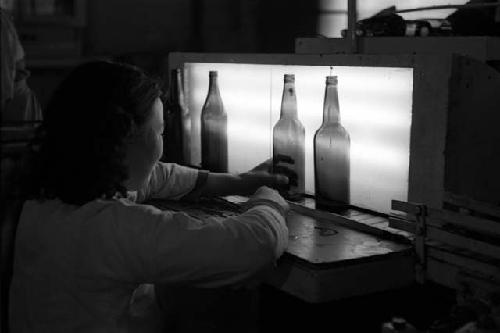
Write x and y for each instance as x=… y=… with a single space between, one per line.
x=375 y=108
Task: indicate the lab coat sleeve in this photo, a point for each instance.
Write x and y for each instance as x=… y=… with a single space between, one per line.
x=168 y=247
x=169 y=181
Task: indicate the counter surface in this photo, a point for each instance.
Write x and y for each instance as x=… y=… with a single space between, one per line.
x=324 y=260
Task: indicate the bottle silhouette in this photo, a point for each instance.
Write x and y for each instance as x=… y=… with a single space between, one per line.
x=213 y=129
x=289 y=139
x=176 y=141
x=332 y=151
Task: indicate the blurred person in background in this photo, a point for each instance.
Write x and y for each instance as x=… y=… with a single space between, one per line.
x=19 y=104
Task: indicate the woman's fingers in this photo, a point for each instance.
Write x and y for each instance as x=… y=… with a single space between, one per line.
x=280 y=158
x=272 y=163
x=270 y=194
x=289 y=173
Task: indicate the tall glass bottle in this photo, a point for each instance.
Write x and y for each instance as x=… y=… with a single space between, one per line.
x=289 y=138
x=213 y=129
x=332 y=146
x=176 y=141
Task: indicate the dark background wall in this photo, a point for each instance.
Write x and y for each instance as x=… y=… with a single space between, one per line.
x=144 y=32
x=124 y=26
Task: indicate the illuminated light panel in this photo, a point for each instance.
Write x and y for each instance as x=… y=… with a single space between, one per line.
x=248 y=133
x=383 y=157
x=375 y=106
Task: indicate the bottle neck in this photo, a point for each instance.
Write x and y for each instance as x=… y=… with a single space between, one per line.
x=176 y=93
x=213 y=103
x=331 y=110
x=213 y=86
x=289 y=101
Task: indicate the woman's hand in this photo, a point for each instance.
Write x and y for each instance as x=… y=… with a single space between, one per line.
x=265 y=193
x=264 y=174
x=255 y=179
x=267 y=174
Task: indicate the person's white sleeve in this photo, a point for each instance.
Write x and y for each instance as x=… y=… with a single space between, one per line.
x=169 y=181
x=166 y=247
x=280 y=229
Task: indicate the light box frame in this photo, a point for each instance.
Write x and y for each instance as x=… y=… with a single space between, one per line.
x=434 y=90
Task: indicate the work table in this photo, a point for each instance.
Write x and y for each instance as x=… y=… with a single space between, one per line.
x=326 y=259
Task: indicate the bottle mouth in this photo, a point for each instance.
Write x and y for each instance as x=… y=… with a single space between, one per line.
x=331 y=80
x=213 y=73
x=289 y=78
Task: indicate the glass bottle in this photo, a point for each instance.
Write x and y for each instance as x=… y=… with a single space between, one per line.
x=176 y=141
x=214 y=129
x=289 y=139
x=332 y=146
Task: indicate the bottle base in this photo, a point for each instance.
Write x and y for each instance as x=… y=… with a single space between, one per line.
x=295 y=197
x=332 y=206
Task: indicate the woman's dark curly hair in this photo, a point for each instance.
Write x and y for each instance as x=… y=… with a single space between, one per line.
x=86 y=125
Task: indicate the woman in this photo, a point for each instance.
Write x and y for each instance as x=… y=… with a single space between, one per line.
x=84 y=243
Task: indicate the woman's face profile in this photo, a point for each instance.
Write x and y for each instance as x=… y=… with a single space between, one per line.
x=145 y=149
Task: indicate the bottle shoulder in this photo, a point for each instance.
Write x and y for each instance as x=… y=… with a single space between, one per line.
x=332 y=129
x=332 y=126
x=289 y=122
x=175 y=107
x=213 y=107
x=214 y=113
